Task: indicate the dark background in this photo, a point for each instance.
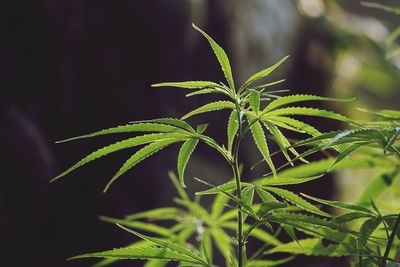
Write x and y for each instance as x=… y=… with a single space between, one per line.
x=72 y=67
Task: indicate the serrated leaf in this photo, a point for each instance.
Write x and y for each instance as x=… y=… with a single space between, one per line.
x=345 y=153
x=173 y=246
x=141 y=155
x=128 y=128
x=282 y=142
x=377 y=186
x=166 y=213
x=247 y=197
x=308 y=112
x=265 y=196
x=124 y=144
x=148 y=253
x=221 y=56
x=233 y=126
x=223 y=242
x=296 y=200
x=218 y=205
x=261 y=142
x=286 y=100
x=255 y=233
x=339 y=204
x=176 y=123
x=287 y=180
x=188 y=84
x=262 y=73
x=314 y=247
x=267 y=207
x=201 y=92
x=254 y=100
x=213 y=106
x=303 y=127
x=148 y=227
x=184 y=154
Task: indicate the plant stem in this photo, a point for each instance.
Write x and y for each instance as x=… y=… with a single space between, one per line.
x=390 y=241
x=236 y=173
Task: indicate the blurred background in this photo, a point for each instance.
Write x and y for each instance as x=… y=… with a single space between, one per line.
x=73 y=67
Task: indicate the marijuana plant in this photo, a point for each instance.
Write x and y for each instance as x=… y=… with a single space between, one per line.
x=264 y=208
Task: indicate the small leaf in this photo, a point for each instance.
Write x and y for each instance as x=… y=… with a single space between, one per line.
x=128 y=143
x=296 y=200
x=221 y=56
x=213 y=106
x=314 y=247
x=254 y=101
x=345 y=153
x=287 y=180
x=173 y=246
x=339 y=204
x=285 y=100
x=129 y=128
x=309 y=112
x=262 y=73
x=188 y=85
x=303 y=127
x=149 y=252
x=261 y=142
x=141 y=155
x=233 y=126
x=184 y=154
x=166 y=213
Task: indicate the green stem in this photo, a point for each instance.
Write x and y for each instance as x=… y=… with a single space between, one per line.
x=390 y=241
x=241 y=249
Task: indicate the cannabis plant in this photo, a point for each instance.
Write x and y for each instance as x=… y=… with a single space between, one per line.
x=263 y=209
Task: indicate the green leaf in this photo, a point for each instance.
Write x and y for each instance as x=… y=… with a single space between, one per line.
x=313 y=247
x=265 y=196
x=255 y=233
x=182 y=193
x=262 y=73
x=285 y=100
x=184 y=154
x=218 y=205
x=176 y=123
x=247 y=197
x=223 y=242
x=339 y=204
x=141 y=155
x=343 y=154
x=233 y=126
x=254 y=101
x=267 y=207
x=173 y=246
x=308 y=112
x=213 y=106
x=201 y=92
x=129 y=128
x=281 y=140
x=287 y=180
x=128 y=143
x=166 y=213
x=148 y=227
x=261 y=142
x=188 y=84
x=377 y=186
x=299 y=125
x=148 y=253
x=221 y=56
x=296 y=200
